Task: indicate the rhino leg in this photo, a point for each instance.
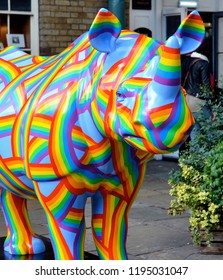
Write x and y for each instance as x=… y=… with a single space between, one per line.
x=65 y=214
x=109 y=225
x=20 y=239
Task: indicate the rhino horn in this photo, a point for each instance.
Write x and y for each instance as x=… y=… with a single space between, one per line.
x=186 y=39
x=167 y=77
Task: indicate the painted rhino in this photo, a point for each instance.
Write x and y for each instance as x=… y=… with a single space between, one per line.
x=83 y=124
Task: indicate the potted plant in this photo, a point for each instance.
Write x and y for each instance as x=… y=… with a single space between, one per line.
x=197 y=185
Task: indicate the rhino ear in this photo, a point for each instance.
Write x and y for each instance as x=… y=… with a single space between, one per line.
x=104 y=31
x=190 y=33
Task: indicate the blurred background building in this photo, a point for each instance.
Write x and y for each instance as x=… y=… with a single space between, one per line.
x=46 y=27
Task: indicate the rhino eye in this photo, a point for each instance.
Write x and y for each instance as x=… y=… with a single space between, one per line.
x=120 y=94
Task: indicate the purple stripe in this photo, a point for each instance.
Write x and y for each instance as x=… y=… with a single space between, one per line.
x=4 y=79
x=159 y=144
x=40 y=135
x=5 y=134
x=191 y=35
x=172 y=115
x=104 y=30
x=41 y=157
x=167 y=81
x=66 y=211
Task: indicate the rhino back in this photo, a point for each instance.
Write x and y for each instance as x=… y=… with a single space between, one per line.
x=58 y=128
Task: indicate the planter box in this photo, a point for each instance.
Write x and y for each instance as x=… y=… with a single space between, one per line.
x=216 y=247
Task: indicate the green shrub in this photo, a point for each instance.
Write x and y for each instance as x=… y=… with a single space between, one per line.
x=197 y=186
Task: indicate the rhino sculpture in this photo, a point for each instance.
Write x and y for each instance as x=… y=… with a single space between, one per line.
x=83 y=124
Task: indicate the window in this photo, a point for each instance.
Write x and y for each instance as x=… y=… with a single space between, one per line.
x=20 y=17
x=172 y=23
x=16 y=5
x=141 y=4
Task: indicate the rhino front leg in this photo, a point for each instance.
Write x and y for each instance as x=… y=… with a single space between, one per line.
x=109 y=225
x=20 y=239
x=65 y=214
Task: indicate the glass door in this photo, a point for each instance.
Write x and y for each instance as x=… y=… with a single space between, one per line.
x=171 y=19
x=217 y=50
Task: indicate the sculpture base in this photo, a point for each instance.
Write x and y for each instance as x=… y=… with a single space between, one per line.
x=48 y=255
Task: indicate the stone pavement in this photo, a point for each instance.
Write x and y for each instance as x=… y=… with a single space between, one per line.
x=153 y=234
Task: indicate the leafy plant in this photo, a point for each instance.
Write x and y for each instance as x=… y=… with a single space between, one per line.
x=197 y=186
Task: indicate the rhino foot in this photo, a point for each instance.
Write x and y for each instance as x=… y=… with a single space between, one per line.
x=36 y=246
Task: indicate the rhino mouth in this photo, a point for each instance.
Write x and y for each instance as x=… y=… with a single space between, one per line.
x=136 y=141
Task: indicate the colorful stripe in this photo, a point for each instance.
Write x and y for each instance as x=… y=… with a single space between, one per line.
x=83 y=124
x=20 y=239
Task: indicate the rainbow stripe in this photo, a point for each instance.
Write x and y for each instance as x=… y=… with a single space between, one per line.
x=83 y=124
x=12 y=182
x=106 y=25
x=191 y=32
x=24 y=241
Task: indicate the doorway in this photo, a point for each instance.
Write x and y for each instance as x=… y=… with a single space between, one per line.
x=217 y=51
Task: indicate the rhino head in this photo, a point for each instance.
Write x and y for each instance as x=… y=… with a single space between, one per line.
x=146 y=105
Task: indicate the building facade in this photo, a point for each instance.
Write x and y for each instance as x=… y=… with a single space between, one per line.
x=162 y=18
x=61 y=21
x=47 y=27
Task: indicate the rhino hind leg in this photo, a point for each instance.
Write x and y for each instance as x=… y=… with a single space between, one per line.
x=20 y=239
x=109 y=225
x=65 y=215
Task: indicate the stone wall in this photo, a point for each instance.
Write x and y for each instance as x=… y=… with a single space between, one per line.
x=62 y=21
